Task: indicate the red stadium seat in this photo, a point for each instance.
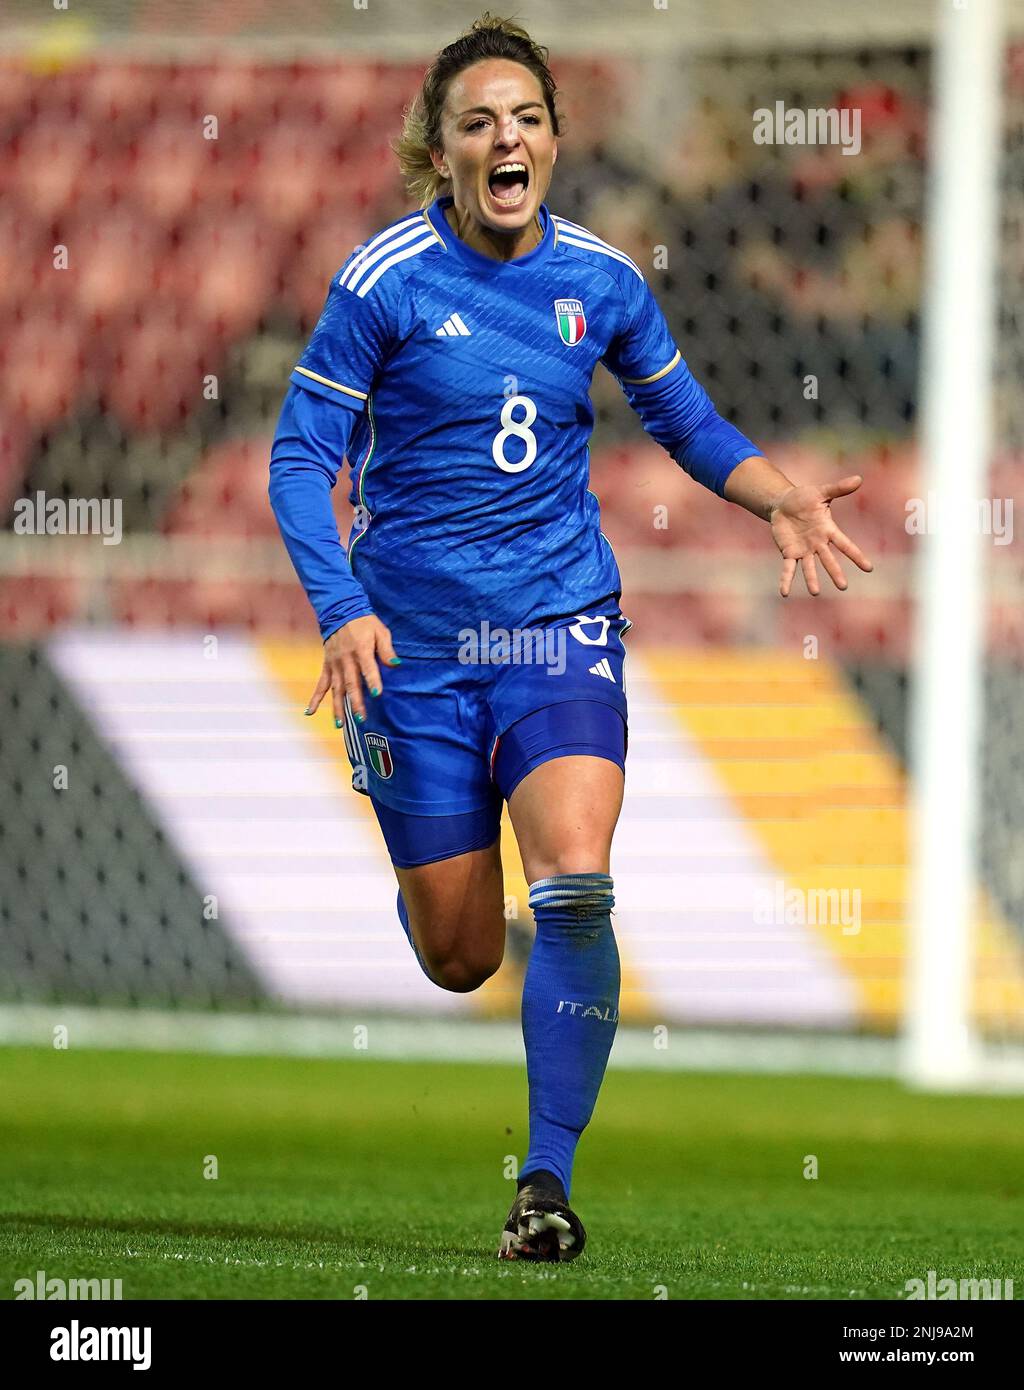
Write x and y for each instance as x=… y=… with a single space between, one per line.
x=593 y=99
x=324 y=248
x=338 y=94
x=1006 y=480
x=227 y=183
x=647 y=499
x=226 y=495
x=51 y=166
x=31 y=604
x=369 y=175
x=1004 y=631
x=42 y=370
x=155 y=378
x=213 y=604
x=686 y=619
x=179 y=91
x=866 y=628
x=242 y=95
x=119 y=98
x=18 y=87
x=57 y=91
x=113 y=267
x=26 y=258
x=892 y=479
x=291 y=176
x=172 y=164
x=351 y=99
x=225 y=271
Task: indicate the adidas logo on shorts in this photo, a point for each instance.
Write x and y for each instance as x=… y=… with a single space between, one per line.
x=453 y=328
x=603 y=669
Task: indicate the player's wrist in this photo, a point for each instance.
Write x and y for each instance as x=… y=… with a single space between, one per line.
x=774 y=506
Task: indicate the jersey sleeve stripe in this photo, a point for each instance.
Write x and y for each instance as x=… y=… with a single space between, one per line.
x=574 y=229
x=352 y=278
x=414 y=250
x=577 y=229
x=643 y=380
x=336 y=385
x=601 y=249
x=357 y=261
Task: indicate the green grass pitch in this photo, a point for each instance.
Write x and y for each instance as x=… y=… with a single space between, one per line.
x=337 y=1176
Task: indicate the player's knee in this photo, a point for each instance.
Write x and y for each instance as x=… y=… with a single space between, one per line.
x=459 y=975
x=462 y=969
x=582 y=857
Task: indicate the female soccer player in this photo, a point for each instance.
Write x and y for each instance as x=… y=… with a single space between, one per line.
x=452 y=366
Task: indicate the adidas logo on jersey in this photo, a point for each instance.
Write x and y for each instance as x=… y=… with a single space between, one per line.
x=603 y=669
x=453 y=328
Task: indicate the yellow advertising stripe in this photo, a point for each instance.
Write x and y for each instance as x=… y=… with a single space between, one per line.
x=294 y=667
x=802 y=760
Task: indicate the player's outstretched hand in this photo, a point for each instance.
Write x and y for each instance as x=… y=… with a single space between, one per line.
x=350 y=660
x=803 y=529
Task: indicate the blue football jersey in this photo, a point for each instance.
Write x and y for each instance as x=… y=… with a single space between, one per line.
x=470 y=381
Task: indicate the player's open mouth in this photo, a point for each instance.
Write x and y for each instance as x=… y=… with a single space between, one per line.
x=508 y=184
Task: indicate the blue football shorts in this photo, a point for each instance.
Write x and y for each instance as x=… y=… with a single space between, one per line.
x=449 y=739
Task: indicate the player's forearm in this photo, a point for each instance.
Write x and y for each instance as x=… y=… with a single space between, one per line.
x=712 y=453
x=301 y=499
x=681 y=416
x=757 y=485
x=310 y=443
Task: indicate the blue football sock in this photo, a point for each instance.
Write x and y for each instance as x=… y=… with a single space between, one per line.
x=570 y=1012
x=403 y=917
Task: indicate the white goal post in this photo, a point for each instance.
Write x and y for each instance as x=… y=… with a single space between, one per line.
x=942 y=1049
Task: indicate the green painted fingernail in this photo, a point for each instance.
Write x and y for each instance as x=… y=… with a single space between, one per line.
x=375 y=690
x=339 y=723
x=309 y=711
x=361 y=718
x=394 y=661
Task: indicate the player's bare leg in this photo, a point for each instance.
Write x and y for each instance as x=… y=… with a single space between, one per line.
x=456 y=911
x=564 y=813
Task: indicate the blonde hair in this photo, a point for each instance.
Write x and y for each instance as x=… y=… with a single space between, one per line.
x=487 y=37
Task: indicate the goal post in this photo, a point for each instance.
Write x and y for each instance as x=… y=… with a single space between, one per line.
x=942 y=1044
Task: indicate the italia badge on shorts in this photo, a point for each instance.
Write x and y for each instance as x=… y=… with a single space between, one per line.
x=379 y=754
x=572 y=321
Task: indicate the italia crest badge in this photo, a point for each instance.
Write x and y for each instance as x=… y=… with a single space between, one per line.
x=379 y=754
x=572 y=321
